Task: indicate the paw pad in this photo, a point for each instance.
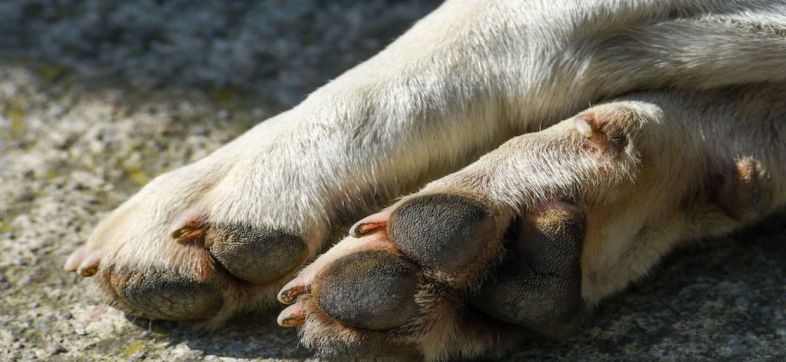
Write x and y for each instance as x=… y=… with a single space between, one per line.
x=371 y=290
x=443 y=232
x=256 y=255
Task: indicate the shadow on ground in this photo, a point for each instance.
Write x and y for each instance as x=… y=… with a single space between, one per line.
x=252 y=336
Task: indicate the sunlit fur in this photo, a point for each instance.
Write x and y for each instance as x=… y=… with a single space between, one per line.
x=685 y=155
x=465 y=79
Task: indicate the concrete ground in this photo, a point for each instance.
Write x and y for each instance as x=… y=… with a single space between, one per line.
x=97 y=97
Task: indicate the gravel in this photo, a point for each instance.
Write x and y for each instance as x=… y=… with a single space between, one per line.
x=97 y=97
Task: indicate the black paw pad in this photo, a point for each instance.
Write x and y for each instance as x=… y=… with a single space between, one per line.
x=256 y=255
x=550 y=240
x=442 y=232
x=159 y=294
x=745 y=192
x=538 y=285
x=371 y=290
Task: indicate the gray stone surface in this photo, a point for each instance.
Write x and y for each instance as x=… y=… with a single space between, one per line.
x=97 y=97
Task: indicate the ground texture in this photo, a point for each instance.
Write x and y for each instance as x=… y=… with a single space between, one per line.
x=97 y=97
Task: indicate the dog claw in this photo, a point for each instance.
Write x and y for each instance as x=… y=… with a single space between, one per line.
x=292 y=316
x=187 y=234
x=291 y=291
x=582 y=126
x=83 y=261
x=75 y=259
x=371 y=223
x=89 y=266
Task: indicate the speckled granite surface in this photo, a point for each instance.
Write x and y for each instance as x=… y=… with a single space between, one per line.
x=97 y=97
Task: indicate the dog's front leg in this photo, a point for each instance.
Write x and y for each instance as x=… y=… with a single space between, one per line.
x=221 y=235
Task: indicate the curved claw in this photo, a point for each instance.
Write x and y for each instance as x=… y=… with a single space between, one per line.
x=372 y=223
x=292 y=316
x=291 y=291
x=75 y=259
x=89 y=266
x=83 y=261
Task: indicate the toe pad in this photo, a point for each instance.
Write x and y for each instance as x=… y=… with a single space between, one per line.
x=442 y=232
x=256 y=255
x=370 y=290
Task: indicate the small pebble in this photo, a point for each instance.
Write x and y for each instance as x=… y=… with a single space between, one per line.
x=24 y=280
x=53 y=347
x=137 y=356
x=25 y=197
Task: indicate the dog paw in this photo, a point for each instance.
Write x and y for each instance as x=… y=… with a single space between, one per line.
x=156 y=258
x=441 y=275
x=220 y=236
x=525 y=241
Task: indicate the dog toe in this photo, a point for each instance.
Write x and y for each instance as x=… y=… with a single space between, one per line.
x=372 y=290
x=256 y=255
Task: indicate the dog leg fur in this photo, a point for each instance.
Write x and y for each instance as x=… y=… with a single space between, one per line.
x=232 y=227
x=537 y=232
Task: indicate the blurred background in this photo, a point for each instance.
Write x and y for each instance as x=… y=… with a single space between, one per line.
x=281 y=48
x=99 y=96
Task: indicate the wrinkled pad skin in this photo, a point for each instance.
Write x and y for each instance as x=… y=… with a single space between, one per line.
x=246 y=256
x=441 y=232
x=164 y=294
x=256 y=255
x=538 y=285
x=370 y=290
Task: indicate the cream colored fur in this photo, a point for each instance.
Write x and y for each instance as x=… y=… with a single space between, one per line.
x=685 y=156
x=666 y=187
x=464 y=80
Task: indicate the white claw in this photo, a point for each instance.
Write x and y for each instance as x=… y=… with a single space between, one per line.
x=89 y=266
x=73 y=261
x=292 y=316
x=582 y=126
